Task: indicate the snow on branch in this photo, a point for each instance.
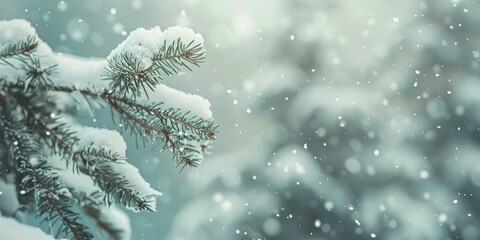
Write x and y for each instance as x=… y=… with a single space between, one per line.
x=120 y=181
x=18 y=38
x=146 y=56
x=21 y=48
x=74 y=173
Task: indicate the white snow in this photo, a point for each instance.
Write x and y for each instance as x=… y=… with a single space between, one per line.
x=317 y=223
x=78 y=182
x=176 y=99
x=13 y=230
x=18 y=30
x=143 y=43
x=15 y=30
x=353 y=165
x=102 y=139
x=79 y=72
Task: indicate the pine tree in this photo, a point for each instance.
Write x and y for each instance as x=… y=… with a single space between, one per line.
x=74 y=175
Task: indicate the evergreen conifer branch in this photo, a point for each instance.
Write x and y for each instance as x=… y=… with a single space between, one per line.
x=174 y=58
x=100 y=154
x=119 y=190
x=19 y=49
x=203 y=129
x=150 y=122
x=115 y=185
x=56 y=200
x=35 y=73
x=59 y=213
x=130 y=76
x=33 y=126
x=19 y=148
x=144 y=129
x=57 y=136
x=96 y=209
x=52 y=199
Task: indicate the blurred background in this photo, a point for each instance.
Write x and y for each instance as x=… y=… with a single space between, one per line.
x=339 y=119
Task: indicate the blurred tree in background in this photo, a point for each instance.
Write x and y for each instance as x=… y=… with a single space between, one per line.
x=372 y=128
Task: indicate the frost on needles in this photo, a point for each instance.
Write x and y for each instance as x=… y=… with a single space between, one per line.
x=74 y=175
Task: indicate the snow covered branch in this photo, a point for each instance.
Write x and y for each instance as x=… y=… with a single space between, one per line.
x=141 y=61
x=73 y=173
